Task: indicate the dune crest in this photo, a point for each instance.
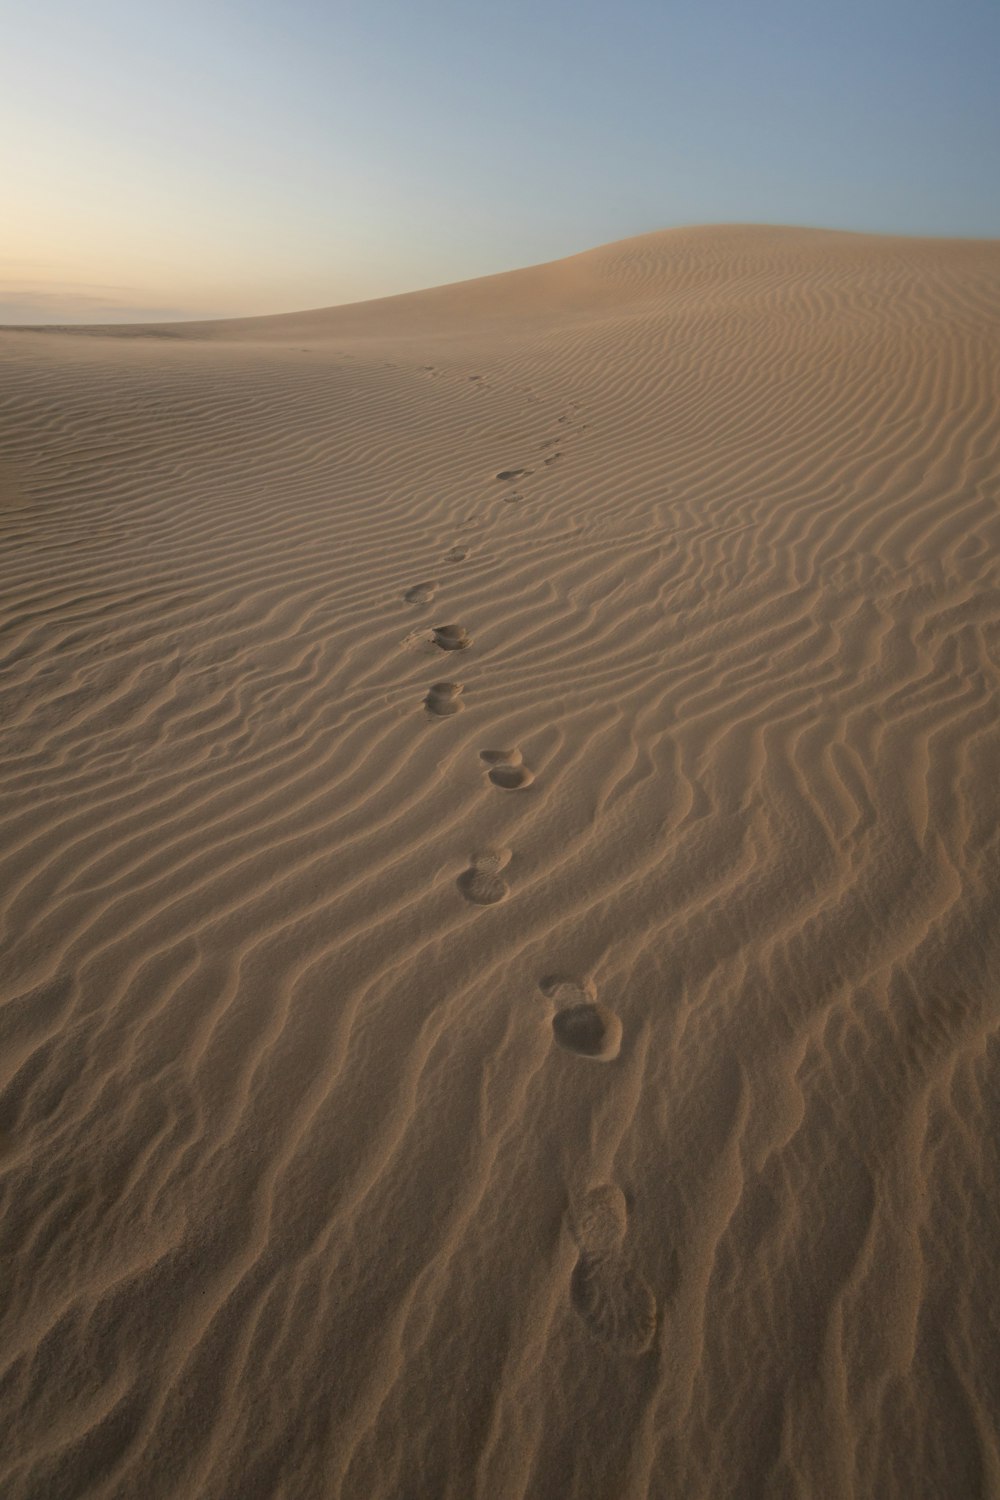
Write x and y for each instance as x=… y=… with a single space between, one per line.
x=310 y=1181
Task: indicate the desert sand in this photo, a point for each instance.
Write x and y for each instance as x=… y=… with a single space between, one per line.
x=500 y=848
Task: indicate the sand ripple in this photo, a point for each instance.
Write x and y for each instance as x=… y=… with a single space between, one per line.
x=310 y=1185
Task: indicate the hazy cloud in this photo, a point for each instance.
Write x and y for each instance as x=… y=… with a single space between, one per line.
x=23 y=305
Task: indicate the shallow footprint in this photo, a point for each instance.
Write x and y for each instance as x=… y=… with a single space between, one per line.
x=444 y=699
x=566 y=988
x=421 y=593
x=598 y=1220
x=615 y=1302
x=456 y=554
x=482 y=883
x=451 y=637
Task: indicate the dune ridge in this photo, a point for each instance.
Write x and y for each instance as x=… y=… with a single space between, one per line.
x=499 y=886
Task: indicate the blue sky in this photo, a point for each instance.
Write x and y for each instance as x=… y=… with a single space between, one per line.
x=189 y=159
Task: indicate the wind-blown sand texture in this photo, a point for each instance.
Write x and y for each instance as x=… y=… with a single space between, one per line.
x=500 y=860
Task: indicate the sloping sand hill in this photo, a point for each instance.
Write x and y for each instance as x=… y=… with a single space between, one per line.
x=500 y=882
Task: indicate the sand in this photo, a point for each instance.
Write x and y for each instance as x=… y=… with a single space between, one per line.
x=500 y=875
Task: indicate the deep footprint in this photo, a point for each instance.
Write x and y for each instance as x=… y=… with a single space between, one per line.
x=444 y=699
x=451 y=637
x=507 y=770
x=511 y=778
x=482 y=883
x=421 y=593
x=508 y=474
x=589 y=1030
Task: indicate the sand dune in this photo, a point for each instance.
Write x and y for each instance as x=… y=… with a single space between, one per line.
x=500 y=887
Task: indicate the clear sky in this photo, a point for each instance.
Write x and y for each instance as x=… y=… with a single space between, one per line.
x=190 y=157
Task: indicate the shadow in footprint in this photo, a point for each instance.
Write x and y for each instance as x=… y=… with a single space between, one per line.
x=483 y=883
x=421 y=593
x=507 y=770
x=589 y=1030
x=507 y=474
x=452 y=637
x=615 y=1302
x=580 y=1024
x=444 y=699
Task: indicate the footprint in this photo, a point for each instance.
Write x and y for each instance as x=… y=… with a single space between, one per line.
x=483 y=883
x=451 y=637
x=615 y=1302
x=444 y=699
x=566 y=988
x=508 y=474
x=421 y=593
x=456 y=554
x=507 y=769
x=514 y=499
x=599 y=1220
x=553 y=458
x=511 y=778
x=589 y=1030
x=580 y=1023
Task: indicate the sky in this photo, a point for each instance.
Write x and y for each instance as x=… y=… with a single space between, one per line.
x=194 y=158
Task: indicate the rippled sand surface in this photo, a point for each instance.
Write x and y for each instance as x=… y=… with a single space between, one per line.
x=500 y=887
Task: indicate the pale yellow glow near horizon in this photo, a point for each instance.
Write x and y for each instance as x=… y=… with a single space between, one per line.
x=104 y=238
x=78 y=266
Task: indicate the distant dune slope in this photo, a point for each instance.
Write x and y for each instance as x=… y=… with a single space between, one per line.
x=500 y=887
